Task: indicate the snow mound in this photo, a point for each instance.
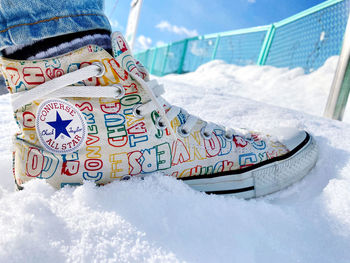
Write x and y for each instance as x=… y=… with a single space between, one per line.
x=277 y=86
x=160 y=219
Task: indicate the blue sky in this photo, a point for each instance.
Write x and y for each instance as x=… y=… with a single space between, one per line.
x=165 y=21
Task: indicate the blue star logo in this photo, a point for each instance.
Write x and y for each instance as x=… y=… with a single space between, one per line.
x=59 y=125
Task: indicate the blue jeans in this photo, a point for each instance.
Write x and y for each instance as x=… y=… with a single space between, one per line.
x=25 y=21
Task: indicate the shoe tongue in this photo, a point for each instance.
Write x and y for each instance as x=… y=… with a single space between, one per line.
x=123 y=55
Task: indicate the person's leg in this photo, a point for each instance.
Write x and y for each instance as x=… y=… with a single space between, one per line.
x=29 y=28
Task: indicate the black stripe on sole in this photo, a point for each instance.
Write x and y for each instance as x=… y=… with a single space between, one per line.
x=18 y=187
x=249 y=168
x=233 y=191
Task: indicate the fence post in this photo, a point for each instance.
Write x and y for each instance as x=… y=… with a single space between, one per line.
x=339 y=93
x=145 y=63
x=165 y=59
x=213 y=56
x=182 y=60
x=266 y=45
x=153 y=59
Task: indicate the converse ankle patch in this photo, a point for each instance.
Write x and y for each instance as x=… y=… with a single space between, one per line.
x=60 y=126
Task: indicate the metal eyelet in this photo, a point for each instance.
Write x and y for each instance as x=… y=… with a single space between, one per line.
x=120 y=91
x=182 y=132
x=102 y=70
x=229 y=138
x=205 y=135
x=159 y=124
x=136 y=111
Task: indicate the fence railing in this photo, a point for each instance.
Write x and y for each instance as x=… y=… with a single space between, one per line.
x=304 y=40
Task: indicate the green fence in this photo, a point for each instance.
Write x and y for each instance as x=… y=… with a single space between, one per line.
x=304 y=40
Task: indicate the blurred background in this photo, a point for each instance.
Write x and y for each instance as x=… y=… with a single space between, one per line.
x=167 y=21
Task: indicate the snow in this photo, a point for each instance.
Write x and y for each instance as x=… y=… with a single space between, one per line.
x=277 y=86
x=160 y=219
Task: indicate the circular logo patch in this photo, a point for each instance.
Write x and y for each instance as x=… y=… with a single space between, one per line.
x=60 y=126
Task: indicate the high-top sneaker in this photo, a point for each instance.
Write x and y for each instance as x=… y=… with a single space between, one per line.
x=87 y=115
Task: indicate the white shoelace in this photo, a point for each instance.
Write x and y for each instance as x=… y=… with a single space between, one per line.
x=61 y=87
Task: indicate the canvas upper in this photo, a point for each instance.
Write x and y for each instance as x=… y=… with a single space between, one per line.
x=114 y=143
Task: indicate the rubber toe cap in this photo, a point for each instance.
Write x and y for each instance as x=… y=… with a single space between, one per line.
x=290 y=137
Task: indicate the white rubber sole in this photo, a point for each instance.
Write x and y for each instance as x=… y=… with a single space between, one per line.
x=262 y=180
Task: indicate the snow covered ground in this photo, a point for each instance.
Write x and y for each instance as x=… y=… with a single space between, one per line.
x=277 y=86
x=162 y=220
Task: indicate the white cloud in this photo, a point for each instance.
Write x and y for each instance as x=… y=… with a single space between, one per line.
x=143 y=42
x=251 y=1
x=160 y=43
x=179 y=30
x=115 y=25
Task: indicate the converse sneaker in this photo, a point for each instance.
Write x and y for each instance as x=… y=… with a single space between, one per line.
x=87 y=115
